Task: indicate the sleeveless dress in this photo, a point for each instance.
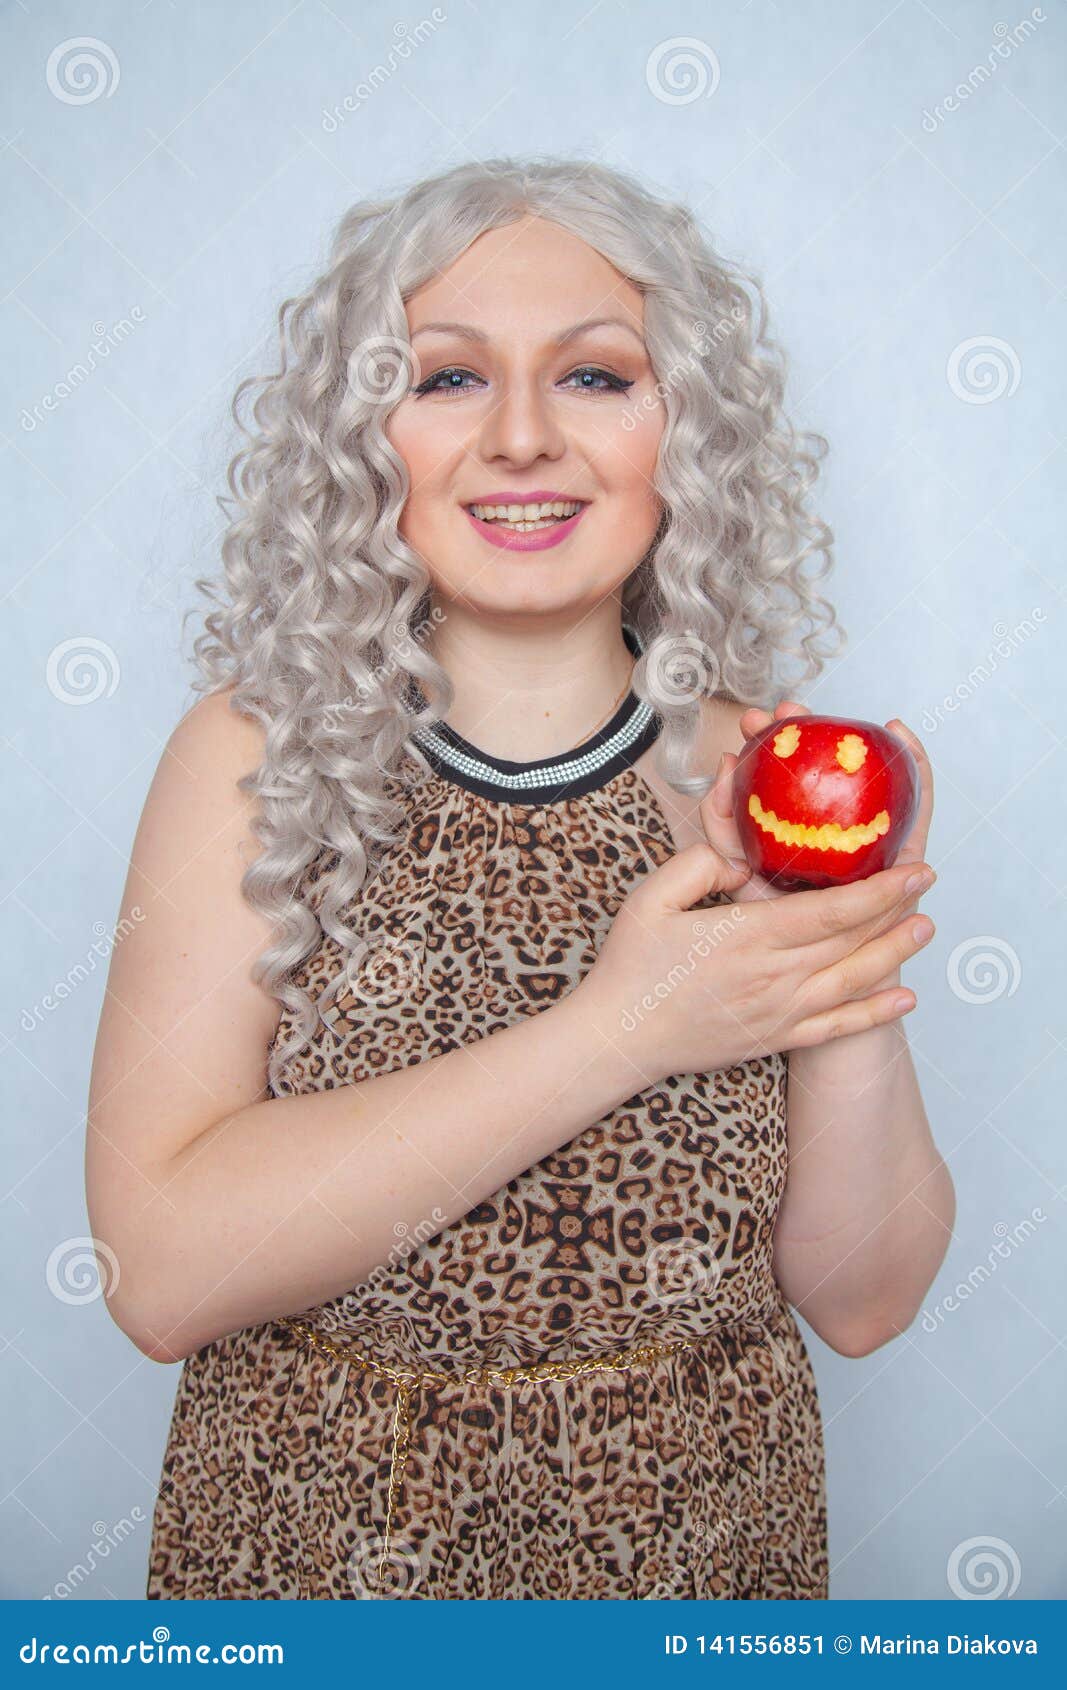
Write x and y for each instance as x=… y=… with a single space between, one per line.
x=665 y=1440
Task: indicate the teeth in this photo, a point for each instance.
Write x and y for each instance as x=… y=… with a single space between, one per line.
x=525 y=515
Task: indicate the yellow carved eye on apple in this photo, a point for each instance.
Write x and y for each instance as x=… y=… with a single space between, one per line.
x=851 y=749
x=804 y=816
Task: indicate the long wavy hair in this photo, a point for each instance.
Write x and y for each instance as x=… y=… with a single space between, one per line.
x=323 y=608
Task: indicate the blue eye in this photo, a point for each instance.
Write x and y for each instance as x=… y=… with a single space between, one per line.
x=451 y=381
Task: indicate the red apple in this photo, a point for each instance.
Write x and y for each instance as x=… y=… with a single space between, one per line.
x=822 y=800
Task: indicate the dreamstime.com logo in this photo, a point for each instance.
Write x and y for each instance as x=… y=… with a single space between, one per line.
x=1008 y=641
x=159 y=1650
x=1009 y=1239
x=403 y=47
x=705 y=340
x=105 y=1539
x=1007 y=40
x=104 y=340
x=336 y=1316
x=704 y=944
x=98 y=952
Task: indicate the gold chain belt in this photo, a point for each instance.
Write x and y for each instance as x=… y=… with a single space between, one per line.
x=407 y=1380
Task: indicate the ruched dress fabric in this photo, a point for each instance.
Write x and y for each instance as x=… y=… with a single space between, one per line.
x=694 y=1475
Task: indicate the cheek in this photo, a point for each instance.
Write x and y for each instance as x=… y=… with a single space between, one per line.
x=629 y=461
x=425 y=450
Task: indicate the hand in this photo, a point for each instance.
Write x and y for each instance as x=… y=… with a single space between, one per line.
x=717 y=806
x=684 y=991
x=716 y=812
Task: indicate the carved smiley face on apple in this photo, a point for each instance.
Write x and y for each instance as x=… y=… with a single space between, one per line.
x=823 y=800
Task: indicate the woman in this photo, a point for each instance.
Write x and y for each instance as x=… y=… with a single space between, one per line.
x=431 y=1126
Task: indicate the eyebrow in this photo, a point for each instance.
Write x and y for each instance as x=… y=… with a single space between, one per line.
x=470 y=333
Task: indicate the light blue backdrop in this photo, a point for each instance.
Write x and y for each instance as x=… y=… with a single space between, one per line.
x=896 y=174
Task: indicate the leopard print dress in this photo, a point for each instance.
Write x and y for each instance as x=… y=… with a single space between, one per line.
x=693 y=1471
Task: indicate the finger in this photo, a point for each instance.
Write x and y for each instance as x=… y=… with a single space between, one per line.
x=717 y=817
x=920 y=828
x=847 y=1018
x=754 y=720
x=857 y=973
x=688 y=876
x=833 y=913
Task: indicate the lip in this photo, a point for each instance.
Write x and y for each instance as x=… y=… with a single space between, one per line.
x=538 y=541
x=531 y=496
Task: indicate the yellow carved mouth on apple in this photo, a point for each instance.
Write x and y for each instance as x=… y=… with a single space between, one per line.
x=829 y=837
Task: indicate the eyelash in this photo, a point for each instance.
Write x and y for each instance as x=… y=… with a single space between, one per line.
x=617 y=383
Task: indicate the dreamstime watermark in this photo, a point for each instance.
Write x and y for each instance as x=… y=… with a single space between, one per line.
x=105 y=1539
x=405 y=644
x=1007 y=40
x=1008 y=641
x=405 y=44
x=704 y=339
x=368 y=1579
x=382 y=369
x=98 y=952
x=704 y=944
x=100 y=349
x=679 y=669
x=379 y=974
x=983 y=1569
x=983 y=968
x=681 y=70
x=73 y=1273
x=680 y=1269
x=1009 y=1239
x=983 y=369
x=82 y=69
x=333 y=1317
x=677 y=1577
x=82 y=669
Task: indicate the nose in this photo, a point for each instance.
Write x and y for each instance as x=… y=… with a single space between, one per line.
x=522 y=425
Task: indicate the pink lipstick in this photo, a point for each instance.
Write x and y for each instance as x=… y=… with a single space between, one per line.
x=555 y=529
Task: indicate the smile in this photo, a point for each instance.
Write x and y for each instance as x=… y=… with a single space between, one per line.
x=529 y=525
x=831 y=836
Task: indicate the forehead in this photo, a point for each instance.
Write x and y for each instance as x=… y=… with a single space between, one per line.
x=530 y=278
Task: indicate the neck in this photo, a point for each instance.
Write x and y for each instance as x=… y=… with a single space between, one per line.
x=528 y=689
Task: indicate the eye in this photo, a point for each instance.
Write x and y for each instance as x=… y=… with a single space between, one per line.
x=786 y=740
x=450 y=377
x=616 y=384
x=450 y=381
x=851 y=753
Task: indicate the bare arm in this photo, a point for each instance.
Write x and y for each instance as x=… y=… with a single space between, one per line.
x=869 y=1205
x=225 y=1206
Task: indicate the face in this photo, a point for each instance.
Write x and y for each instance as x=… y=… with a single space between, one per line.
x=517 y=401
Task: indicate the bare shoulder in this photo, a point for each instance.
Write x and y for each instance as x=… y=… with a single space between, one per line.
x=184 y=1029
x=218 y=740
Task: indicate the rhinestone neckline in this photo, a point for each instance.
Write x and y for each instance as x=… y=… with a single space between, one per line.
x=588 y=766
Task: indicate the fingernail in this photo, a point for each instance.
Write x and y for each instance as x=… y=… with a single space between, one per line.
x=920 y=880
x=922 y=930
x=738 y=863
